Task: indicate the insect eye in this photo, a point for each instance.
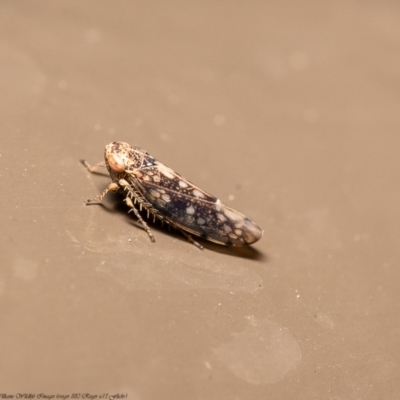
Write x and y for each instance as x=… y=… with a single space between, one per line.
x=116 y=162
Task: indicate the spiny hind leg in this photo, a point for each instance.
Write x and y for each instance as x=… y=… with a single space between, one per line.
x=129 y=203
x=112 y=187
x=190 y=239
x=137 y=197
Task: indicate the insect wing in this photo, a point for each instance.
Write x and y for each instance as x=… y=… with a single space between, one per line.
x=194 y=210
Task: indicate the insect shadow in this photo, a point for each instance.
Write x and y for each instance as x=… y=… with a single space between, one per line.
x=114 y=204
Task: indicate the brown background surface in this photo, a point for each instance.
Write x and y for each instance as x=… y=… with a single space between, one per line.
x=287 y=111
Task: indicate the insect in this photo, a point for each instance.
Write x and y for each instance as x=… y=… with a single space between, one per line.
x=172 y=199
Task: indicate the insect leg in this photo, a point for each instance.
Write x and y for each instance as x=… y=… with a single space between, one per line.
x=190 y=239
x=137 y=197
x=94 y=168
x=132 y=194
x=111 y=187
x=139 y=217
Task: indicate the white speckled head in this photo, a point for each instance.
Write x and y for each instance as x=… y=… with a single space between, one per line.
x=116 y=156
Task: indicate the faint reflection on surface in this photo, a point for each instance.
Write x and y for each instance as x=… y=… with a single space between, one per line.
x=169 y=272
x=131 y=264
x=262 y=354
x=119 y=207
x=135 y=263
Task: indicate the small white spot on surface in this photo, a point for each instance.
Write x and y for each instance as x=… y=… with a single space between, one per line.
x=201 y=221
x=207 y=364
x=156 y=178
x=231 y=197
x=227 y=229
x=359 y=237
x=238 y=232
x=325 y=321
x=190 y=210
x=92 y=36
x=219 y=120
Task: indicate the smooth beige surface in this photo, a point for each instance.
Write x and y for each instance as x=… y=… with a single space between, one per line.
x=289 y=112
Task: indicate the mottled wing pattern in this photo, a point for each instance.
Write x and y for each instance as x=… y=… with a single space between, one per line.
x=190 y=208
